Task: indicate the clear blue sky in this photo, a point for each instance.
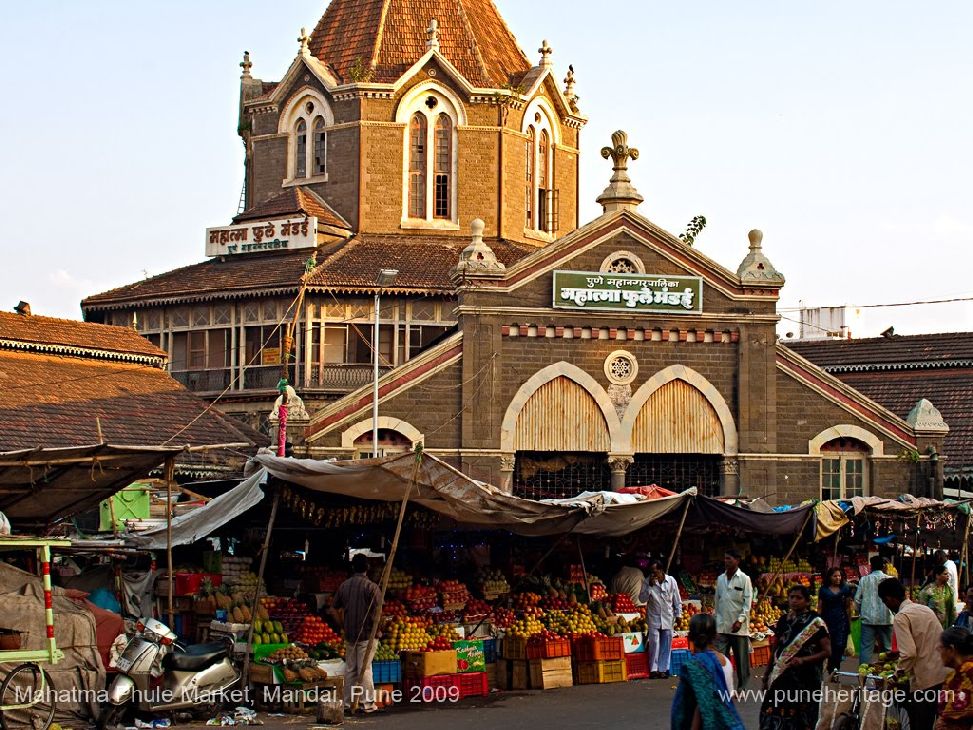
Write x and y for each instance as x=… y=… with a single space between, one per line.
x=842 y=129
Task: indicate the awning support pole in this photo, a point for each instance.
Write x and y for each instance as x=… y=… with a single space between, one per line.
x=387 y=572
x=584 y=570
x=264 y=550
x=965 y=554
x=169 y=475
x=797 y=539
x=675 y=543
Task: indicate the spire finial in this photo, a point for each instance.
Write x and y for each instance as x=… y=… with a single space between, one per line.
x=620 y=195
x=756 y=239
x=432 y=35
x=303 y=39
x=246 y=65
x=569 y=88
x=545 y=50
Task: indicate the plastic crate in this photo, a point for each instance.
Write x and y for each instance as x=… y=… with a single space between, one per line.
x=678 y=660
x=474 y=684
x=597 y=648
x=387 y=672
x=760 y=656
x=637 y=665
x=600 y=672
x=490 y=650
x=548 y=648
x=514 y=647
x=438 y=688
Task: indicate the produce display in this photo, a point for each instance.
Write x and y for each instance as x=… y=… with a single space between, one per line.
x=764 y=616
x=885 y=667
x=622 y=603
x=453 y=595
x=493 y=584
x=688 y=611
x=315 y=631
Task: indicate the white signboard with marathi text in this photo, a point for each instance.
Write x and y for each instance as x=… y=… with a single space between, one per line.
x=628 y=292
x=260 y=236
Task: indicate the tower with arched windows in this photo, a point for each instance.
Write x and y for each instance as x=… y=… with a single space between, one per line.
x=413 y=125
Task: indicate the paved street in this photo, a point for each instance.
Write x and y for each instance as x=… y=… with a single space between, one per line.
x=638 y=704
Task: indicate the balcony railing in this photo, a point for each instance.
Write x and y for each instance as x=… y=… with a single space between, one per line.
x=343 y=377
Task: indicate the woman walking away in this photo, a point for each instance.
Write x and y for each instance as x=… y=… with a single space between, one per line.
x=938 y=595
x=794 y=678
x=704 y=699
x=834 y=602
x=956 y=710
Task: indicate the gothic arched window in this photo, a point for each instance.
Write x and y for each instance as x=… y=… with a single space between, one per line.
x=300 y=148
x=531 y=154
x=320 y=166
x=306 y=121
x=417 y=166
x=443 y=166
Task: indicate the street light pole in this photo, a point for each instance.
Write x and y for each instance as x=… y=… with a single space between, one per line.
x=385 y=278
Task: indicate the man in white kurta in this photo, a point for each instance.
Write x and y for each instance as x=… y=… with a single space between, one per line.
x=660 y=592
x=734 y=596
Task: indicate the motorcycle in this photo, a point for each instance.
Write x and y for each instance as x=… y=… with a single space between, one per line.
x=158 y=674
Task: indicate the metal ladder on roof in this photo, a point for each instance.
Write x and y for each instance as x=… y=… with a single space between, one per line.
x=242 y=205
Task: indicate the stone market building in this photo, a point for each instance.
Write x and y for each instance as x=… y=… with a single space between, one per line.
x=527 y=351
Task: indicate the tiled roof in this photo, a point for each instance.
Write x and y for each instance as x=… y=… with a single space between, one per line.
x=898 y=371
x=294 y=201
x=893 y=353
x=472 y=36
x=951 y=391
x=50 y=334
x=423 y=262
x=228 y=278
x=53 y=400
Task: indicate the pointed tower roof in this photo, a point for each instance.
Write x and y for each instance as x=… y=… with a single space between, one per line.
x=388 y=36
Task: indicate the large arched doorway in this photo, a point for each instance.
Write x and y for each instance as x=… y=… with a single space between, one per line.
x=560 y=439
x=679 y=441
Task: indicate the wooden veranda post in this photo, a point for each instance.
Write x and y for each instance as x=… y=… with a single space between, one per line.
x=675 y=543
x=170 y=468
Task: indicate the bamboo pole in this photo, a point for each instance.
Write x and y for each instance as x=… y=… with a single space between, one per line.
x=584 y=570
x=264 y=550
x=546 y=555
x=169 y=475
x=387 y=572
x=797 y=539
x=915 y=555
x=965 y=553
x=675 y=544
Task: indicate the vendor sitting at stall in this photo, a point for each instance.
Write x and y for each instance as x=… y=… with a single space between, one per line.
x=628 y=580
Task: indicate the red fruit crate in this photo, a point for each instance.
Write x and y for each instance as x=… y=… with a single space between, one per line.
x=474 y=684
x=760 y=656
x=438 y=688
x=637 y=665
x=548 y=648
x=598 y=648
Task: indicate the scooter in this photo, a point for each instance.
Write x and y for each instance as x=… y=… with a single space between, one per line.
x=157 y=674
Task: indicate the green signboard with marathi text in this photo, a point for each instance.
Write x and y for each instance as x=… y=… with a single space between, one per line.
x=593 y=290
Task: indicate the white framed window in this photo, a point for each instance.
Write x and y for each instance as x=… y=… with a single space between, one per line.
x=844 y=469
x=305 y=121
x=541 y=195
x=431 y=116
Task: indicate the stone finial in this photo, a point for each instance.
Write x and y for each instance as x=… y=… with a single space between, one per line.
x=620 y=193
x=569 y=89
x=246 y=65
x=296 y=410
x=304 y=40
x=545 y=50
x=477 y=259
x=432 y=35
x=756 y=267
x=925 y=417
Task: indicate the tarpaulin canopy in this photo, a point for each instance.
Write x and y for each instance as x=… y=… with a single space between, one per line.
x=439 y=487
x=833 y=514
x=705 y=514
x=199 y=523
x=40 y=486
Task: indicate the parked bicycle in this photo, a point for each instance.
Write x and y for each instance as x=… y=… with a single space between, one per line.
x=27 y=694
x=895 y=716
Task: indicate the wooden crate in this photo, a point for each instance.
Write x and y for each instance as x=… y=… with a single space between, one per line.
x=520 y=678
x=502 y=674
x=429 y=663
x=551 y=673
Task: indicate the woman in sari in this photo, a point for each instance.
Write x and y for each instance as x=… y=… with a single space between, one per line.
x=956 y=705
x=704 y=698
x=938 y=595
x=794 y=677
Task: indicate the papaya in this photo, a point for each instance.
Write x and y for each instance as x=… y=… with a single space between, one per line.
x=275 y=638
x=266 y=637
x=258 y=626
x=278 y=627
x=257 y=641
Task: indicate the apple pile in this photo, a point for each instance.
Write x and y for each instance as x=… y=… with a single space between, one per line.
x=394 y=608
x=476 y=610
x=622 y=603
x=504 y=617
x=421 y=598
x=440 y=643
x=453 y=594
x=598 y=592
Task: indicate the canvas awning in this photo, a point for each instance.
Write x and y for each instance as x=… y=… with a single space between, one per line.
x=202 y=521
x=41 y=486
x=449 y=492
